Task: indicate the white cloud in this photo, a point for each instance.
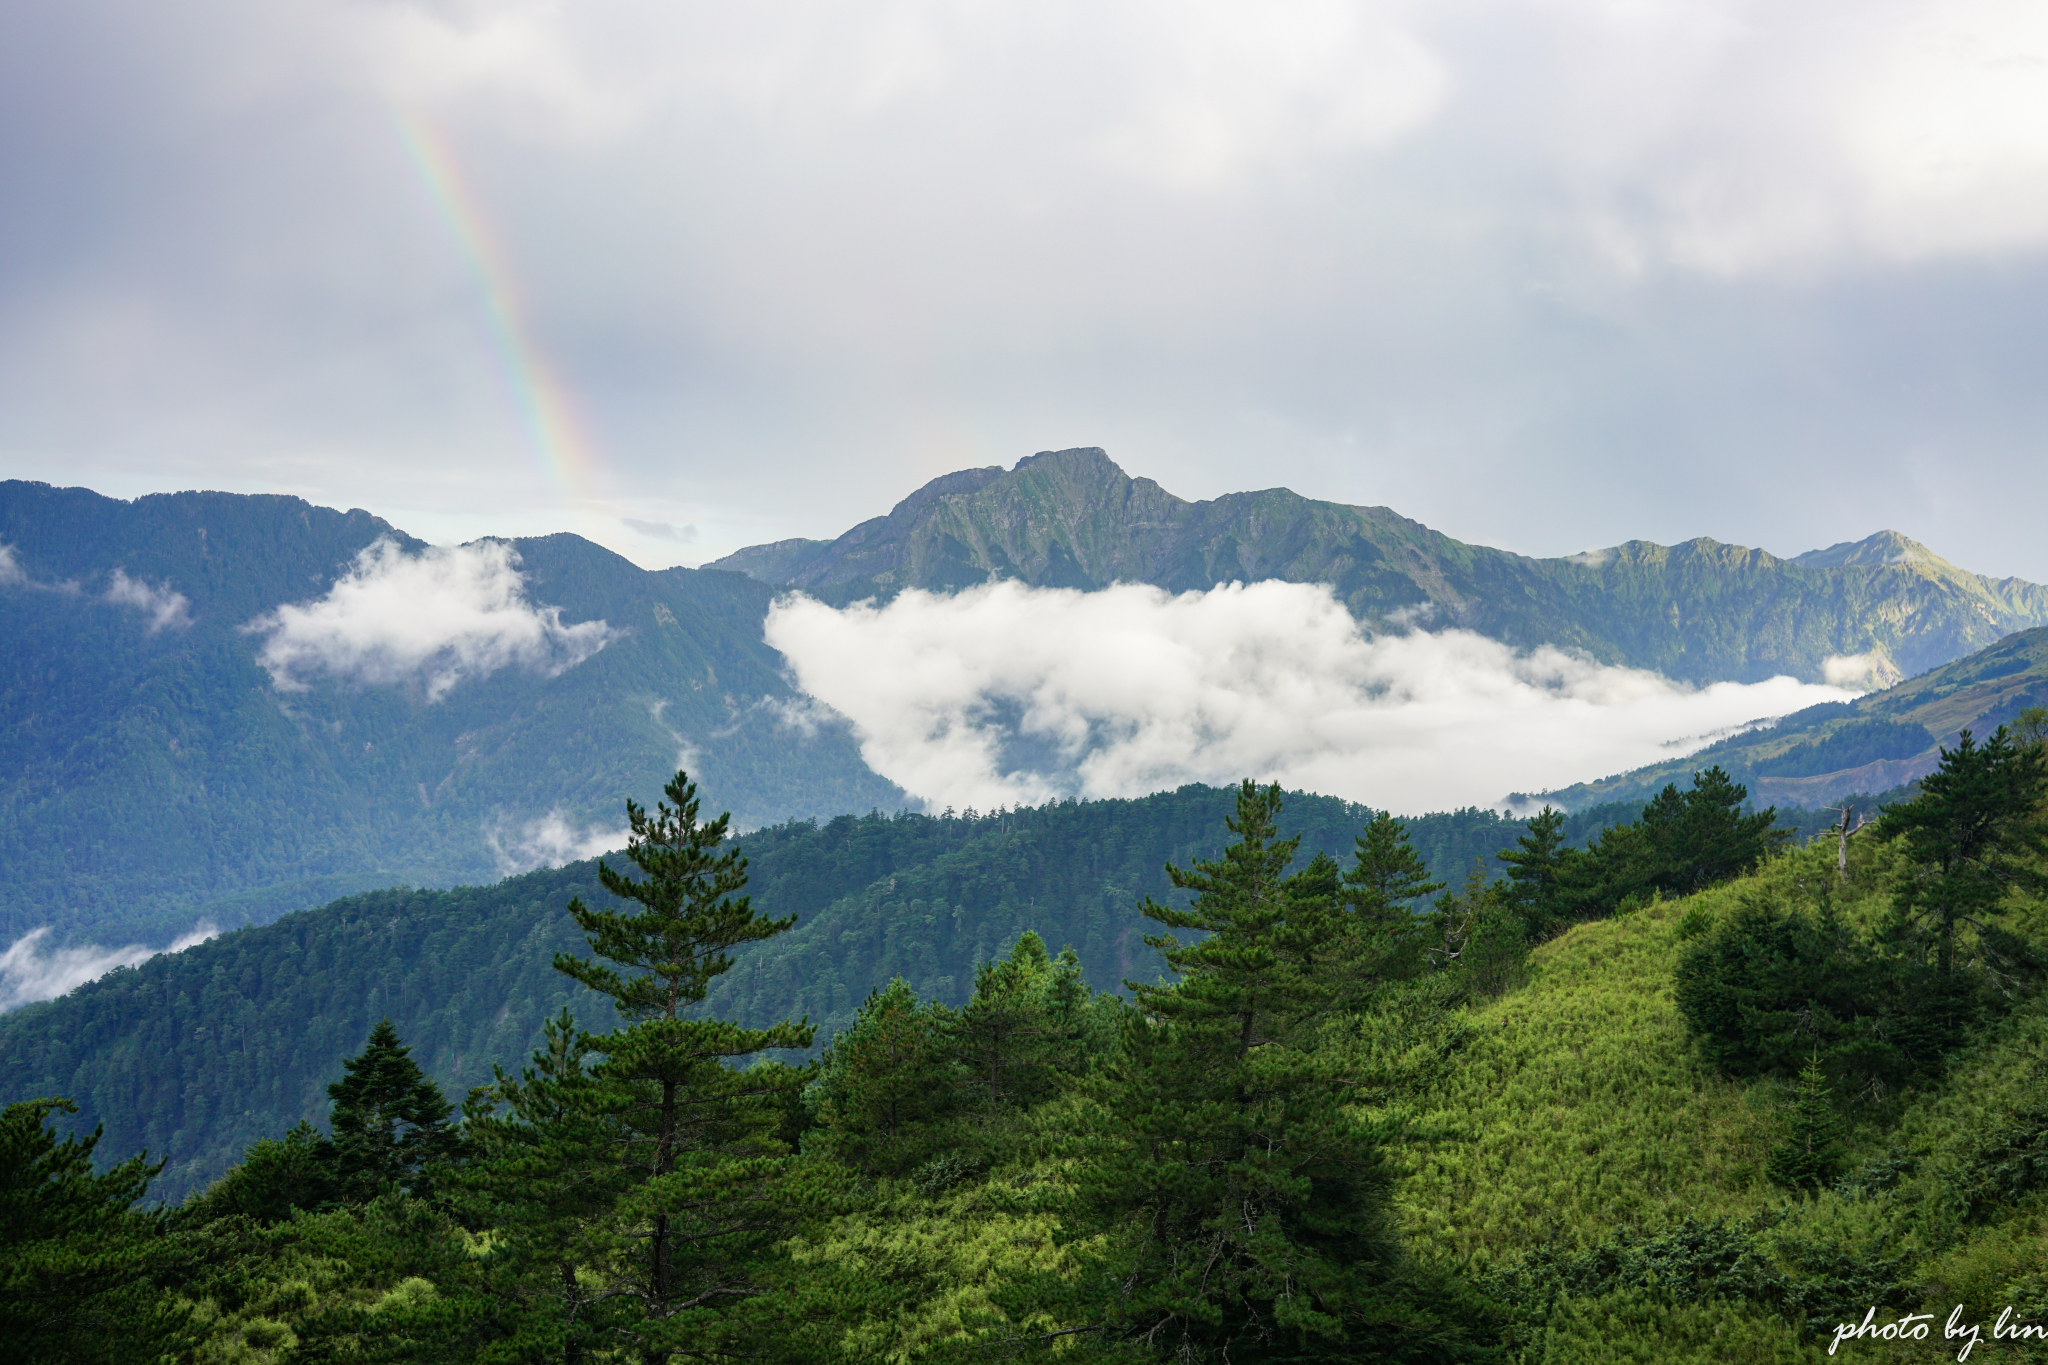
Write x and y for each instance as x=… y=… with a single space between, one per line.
x=1007 y=694
x=437 y=617
x=548 y=841
x=30 y=972
x=1860 y=672
x=166 y=609
x=10 y=569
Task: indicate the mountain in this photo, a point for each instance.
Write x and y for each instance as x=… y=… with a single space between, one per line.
x=1703 y=611
x=196 y=1054
x=1874 y=744
x=153 y=770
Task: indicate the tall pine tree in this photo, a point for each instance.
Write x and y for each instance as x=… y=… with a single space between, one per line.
x=1241 y=1206
x=659 y=1170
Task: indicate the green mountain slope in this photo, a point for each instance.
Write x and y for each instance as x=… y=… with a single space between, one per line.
x=1702 y=611
x=1871 y=745
x=151 y=772
x=194 y=1055
x=1585 y=1146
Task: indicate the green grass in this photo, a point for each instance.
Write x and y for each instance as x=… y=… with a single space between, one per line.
x=1578 y=1107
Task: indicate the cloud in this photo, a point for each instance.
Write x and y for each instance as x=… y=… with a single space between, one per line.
x=660 y=530
x=1540 y=273
x=436 y=617
x=549 y=841
x=166 y=609
x=10 y=569
x=1860 y=672
x=1007 y=694
x=29 y=971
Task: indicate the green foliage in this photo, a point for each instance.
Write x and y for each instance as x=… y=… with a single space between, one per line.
x=888 y=1084
x=1773 y=983
x=80 y=1271
x=1811 y=1154
x=1388 y=874
x=1973 y=837
x=275 y=1177
x=1241 y=1206
x=198 y=1055
x=1683 y=842
x=389 y=1122
x=1535 y=865
x=690 y=1149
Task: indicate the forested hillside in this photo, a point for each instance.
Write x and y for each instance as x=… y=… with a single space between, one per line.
x=1682 y=1093
x=152 y=770
x=1703 y=611
x=197 y=1054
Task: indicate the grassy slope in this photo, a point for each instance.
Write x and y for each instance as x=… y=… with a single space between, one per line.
x=1584 y=1109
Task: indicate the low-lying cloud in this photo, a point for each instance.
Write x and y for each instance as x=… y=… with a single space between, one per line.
x=1007 y=694
x=166 y=610
x=549 y=841
x=10 y=568
x=31 y=971
x=436 y=618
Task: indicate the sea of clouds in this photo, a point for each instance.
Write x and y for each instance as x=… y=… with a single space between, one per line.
x=1008 y=694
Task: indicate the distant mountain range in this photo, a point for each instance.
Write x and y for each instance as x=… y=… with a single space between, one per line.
x=1702 y=611
x=1840 y=749
x=152 y=770
x=166 y=754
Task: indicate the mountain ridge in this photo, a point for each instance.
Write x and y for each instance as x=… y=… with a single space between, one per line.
x=1788 y=762
x=1701 y=611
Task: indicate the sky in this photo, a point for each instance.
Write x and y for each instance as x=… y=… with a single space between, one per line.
x=681 y=277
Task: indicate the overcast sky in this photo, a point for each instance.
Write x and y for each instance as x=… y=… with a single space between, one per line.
x=1545 y=274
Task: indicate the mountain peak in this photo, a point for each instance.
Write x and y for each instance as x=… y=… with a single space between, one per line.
x=1871 y=552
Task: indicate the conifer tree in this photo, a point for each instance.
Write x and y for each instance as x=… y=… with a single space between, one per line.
x=1388 y=873
x=1241 y=1205
x=1973 y=835
x=887 y=1085
x=389 y=1122
x=1810 y=1156
x=1536 y=866
x=667 y=1160
x=1023 y=1029
x=80 y=1269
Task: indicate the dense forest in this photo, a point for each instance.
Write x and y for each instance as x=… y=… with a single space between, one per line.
x=196 y=1055
x=1686 y=1091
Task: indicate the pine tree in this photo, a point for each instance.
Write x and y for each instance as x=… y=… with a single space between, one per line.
x=888 y=1086
x=1536 y=866
x=699 y=1142
x=1388 y=874
x=80 y=1269
x=1241 y=1206
x=1810 y=1156
x=1973 y=835
x=389 y=1123
x=1023 y=1030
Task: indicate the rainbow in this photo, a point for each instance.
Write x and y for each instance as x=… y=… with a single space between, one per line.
x=565 y=450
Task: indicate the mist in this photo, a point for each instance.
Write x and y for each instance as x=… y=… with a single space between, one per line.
x=31 y=971
x=1006 y=695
